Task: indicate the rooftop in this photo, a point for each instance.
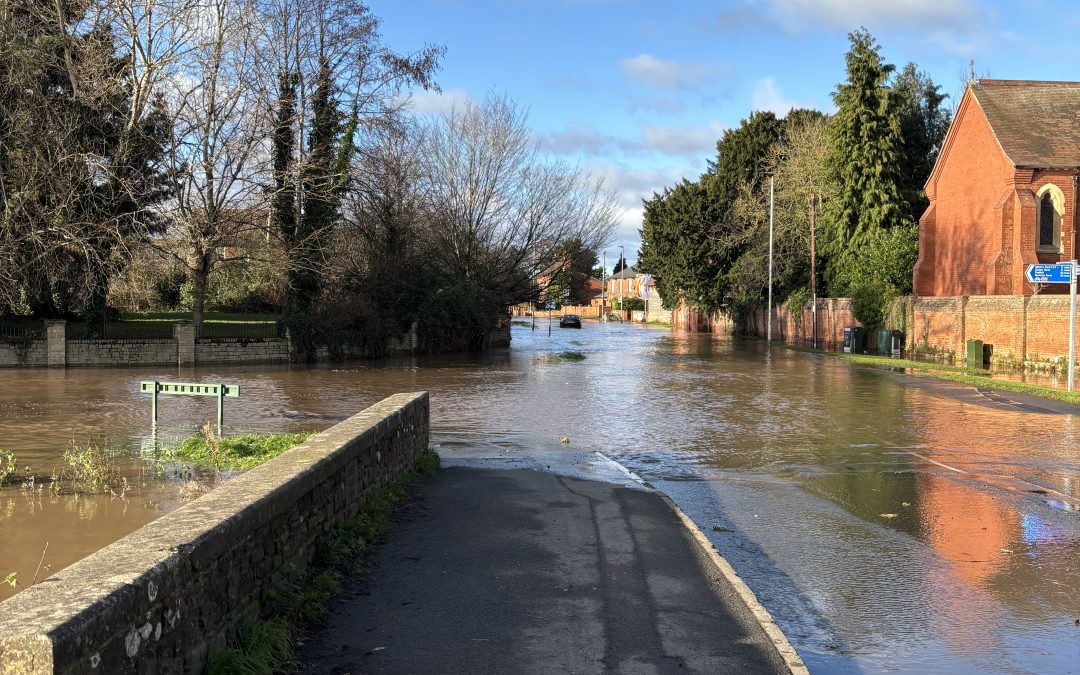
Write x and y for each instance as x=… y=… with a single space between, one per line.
x=1035 y=122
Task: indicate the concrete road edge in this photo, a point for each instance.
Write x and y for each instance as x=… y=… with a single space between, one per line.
x=780 y=641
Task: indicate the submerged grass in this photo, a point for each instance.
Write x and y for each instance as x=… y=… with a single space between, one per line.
x=235 y=453
x=975 y=377
x=266 y=647
x=91 y=468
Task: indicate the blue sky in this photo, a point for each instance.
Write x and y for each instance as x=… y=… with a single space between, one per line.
x=639 y=91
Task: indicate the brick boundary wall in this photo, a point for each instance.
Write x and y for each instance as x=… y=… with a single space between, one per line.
x=161 y=598
x=1025 y=331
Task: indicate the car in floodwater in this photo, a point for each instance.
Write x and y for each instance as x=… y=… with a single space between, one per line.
x=569 y=321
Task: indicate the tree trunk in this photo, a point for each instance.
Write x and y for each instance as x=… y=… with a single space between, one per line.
x=199 y=277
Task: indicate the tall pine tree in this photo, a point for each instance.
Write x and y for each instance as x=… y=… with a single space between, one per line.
x=873 y=240
x=866 y=148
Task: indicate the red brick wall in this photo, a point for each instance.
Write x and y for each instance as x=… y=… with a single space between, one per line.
x=1020 y=328
x=833 y=315
x=687 y=320
x=1047 y=327
x=937 y=323
x=997 y=320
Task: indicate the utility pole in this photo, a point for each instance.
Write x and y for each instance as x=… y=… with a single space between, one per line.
x=813 y=257
x=768 y=311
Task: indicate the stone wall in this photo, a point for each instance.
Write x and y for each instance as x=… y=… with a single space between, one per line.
x=161 y=598
x=241 y=350
x=22 y=353
x=121 y=352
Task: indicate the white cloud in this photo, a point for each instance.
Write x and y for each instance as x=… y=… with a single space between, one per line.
x=796 y=14
x=579 y=138
x=425 y=102
x=669 y=74
x=768 y=96
x=690 y=142
x=685 y=143
x=631 y=186
x=801 y=16
x=661 y=104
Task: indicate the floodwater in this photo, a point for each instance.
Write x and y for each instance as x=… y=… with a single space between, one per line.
x=887 y=523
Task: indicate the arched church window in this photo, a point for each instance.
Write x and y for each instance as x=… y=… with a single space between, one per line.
x=1051 y=206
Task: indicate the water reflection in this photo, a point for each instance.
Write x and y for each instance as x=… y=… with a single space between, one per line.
x=885 y=525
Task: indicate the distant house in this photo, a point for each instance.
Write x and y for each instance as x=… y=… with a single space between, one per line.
x=625 y=284
x=1003 y=192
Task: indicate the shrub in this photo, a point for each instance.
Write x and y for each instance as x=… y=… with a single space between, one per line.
x=454 y=318
x=91 y=468
x=871 y=302
x=630 y=304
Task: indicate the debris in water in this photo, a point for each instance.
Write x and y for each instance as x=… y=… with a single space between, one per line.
x=887 y=515
x=565 y=440
x=905 y=503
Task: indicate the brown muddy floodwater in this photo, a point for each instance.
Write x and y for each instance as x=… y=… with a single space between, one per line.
x=887 y=524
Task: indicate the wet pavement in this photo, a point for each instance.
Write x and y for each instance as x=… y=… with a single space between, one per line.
x=520 y=571
x=887 y=524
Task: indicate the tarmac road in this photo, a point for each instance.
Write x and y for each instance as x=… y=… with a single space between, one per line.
x=520 y=571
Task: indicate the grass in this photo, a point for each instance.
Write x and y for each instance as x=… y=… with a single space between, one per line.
x=975 y=377
x=8 y=466
x=266 y=647
x=91 y=468
x=234 y=453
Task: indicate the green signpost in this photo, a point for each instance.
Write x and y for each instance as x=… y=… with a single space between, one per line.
x=190 y=389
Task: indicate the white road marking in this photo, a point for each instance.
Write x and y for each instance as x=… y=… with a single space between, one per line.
x=934 y=461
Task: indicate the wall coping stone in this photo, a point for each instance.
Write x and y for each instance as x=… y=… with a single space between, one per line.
x=51 y=626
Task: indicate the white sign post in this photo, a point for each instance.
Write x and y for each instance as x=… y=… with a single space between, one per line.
x=1072 y=323
x=1061 y=273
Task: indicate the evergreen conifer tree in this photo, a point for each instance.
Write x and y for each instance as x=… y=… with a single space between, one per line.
x=866 y=149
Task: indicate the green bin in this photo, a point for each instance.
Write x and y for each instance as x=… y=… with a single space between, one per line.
x=974 y=353
x=890 y=342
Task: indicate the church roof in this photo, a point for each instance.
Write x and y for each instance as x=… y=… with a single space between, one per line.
x=1036 y=123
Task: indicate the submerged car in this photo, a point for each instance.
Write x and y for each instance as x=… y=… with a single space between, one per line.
x=570 y=321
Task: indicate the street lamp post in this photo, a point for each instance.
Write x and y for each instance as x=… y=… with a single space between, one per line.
x=768 y=311
x=813 y=272
x=622 y=303
x=603 y=289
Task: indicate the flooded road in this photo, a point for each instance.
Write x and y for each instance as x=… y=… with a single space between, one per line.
x=887 y=524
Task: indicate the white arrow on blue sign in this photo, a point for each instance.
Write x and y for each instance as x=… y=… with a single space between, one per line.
x=1061 y=273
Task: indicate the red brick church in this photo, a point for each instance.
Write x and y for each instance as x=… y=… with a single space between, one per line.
x=1002 y=194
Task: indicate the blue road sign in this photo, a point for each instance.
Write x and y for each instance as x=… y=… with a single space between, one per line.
x=1060 y=273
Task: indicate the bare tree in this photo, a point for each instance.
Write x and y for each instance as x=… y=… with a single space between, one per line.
x=501 y=209
x=334 y=78
x=216 y=154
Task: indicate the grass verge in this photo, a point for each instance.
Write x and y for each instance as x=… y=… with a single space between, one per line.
x=234 y=453
x=975 y=377
x=266 y=646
